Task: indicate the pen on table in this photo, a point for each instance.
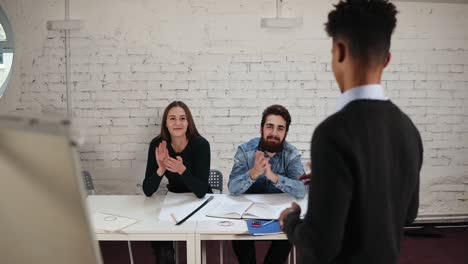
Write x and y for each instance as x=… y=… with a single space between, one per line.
x=196 y=210
x=269 y=222
x=174 y=218
x=248 y=208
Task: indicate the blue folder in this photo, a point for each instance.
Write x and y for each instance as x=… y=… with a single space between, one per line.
x=269 y=229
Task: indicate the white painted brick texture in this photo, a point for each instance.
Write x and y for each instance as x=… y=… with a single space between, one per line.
x=214 y=56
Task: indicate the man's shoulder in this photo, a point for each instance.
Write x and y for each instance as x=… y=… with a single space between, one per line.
x=290 y=148
x=250 y=145
x=331 y=123
x=334 y=128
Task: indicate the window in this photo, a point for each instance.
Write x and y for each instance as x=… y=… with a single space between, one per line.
x=6 y=51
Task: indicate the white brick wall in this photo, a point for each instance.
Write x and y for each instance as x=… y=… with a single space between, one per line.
x=131 y=59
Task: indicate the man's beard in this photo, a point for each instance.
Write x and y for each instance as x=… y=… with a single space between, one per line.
x=272 y=147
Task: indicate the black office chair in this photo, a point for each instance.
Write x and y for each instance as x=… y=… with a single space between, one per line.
x=215 y=180
x=88 y=182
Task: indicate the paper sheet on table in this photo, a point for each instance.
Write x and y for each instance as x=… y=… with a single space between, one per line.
x=181 y=205
x=112 y=223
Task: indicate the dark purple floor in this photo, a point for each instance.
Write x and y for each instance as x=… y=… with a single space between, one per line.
x=452 y=248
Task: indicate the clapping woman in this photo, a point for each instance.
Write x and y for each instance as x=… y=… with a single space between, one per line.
x=182 y=155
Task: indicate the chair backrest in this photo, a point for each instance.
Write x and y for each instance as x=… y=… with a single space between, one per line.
x=216 y=180
x=88 y=182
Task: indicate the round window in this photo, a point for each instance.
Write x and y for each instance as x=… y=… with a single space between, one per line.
x=6 y=51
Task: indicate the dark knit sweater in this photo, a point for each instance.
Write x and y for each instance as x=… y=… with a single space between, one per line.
x=196 y=159
x=364 y=187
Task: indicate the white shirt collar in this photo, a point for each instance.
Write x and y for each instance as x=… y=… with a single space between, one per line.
x=369 y=92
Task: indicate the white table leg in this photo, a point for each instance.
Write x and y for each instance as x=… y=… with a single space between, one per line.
x=198 y=255
x=130 y=251
x=221 y=252
x=192 y=250
x=176 y=251
x=203 y=251
x=294 y=254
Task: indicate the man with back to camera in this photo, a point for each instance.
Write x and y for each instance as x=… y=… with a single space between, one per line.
x=268 y=164
x=366 y=158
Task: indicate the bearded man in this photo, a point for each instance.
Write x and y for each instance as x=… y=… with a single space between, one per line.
x=268 y=164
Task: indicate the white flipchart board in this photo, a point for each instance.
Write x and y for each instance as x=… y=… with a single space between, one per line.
x=43 y=217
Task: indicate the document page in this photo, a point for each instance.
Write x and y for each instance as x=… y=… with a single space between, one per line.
x=111 y=223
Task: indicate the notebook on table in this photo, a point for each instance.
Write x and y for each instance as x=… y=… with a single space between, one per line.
x=263 y=227
x=245 y=210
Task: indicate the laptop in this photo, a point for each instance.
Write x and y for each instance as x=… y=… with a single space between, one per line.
x=43 y=215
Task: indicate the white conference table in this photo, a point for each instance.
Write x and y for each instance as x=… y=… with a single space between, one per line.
x=150 y=228
x=213 y=228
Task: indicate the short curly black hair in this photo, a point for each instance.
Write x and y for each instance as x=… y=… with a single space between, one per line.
x=366 y=26
x=278 y=110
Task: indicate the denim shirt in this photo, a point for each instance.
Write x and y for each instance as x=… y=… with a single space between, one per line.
x=286 y=164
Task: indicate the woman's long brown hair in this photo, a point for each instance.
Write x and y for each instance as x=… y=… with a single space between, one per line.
x=191 y=128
